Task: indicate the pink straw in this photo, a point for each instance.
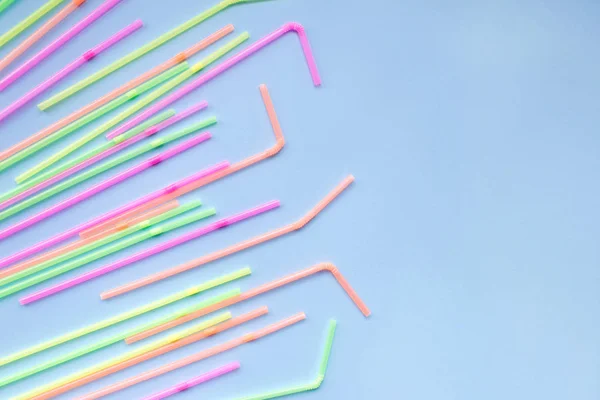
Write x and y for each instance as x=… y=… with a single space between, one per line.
x=66 y=71
x=104 y=154
x=224 y=66
x=149 y=252
x=100 y=187
x=58 y=43
x=215 y=373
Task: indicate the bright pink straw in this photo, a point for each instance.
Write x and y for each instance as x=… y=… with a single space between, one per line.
x=58 y=43
x=149 y=252
x=215 y=373
x=224 y=66
x=104 y=154
x=66 y=71
x=100 y=187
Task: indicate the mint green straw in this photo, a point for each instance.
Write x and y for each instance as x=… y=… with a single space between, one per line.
x=27 y=22
x=130 y=314
x=110 y=249
x=146 y=224
x=309 y=386
x=4 y=4
x=122 y=336
x=159 y=41
x=86 y=119
x=141 y=103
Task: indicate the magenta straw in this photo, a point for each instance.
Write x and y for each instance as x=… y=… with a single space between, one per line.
x=58 y=43
x=224 y=66
x=215 y=373
x=153 y=130
x=70 y=68
x=102 y=186
x=222 y=223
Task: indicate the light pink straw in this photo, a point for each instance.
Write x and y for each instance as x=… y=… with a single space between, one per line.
x=215 y=373
x=58 y=43
x=102 y=186
x=222 y=223
x=70 y=68
x=224 y=66
x=104 y=154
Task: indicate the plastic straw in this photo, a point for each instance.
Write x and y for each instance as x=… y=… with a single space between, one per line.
x=228 y=221
x=159 y=41
x=180 y=387
x=39 y=33
x=51 y=390
x=69 y=69
x=4 y=4
x=30 y=20
x=129 y=315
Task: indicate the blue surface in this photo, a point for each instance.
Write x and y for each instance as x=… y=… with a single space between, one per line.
x=470 y=231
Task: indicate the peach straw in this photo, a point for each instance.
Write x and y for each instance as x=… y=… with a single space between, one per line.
x=178 y=59
x=28 y=21
x=40 y=33
x=267 y=287
x=236 y=248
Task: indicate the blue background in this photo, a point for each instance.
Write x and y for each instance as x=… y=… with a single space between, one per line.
x=471 y=231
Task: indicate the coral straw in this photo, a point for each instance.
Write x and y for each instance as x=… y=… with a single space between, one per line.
x=30 y=20
x=69 y=69
x=40 y=33
x=58 y=43
x=149 y=252
x=236 y=248
x=224 y=66
x=215 y=373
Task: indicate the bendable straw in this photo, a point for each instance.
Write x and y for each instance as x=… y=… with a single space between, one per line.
x=30 y=20
x=69 y=69
x=102 y=186
x=4 y=4
x=16 y=272
x=39 y=33
x=136 y=107
x=236 y=248
x=316 y=383
x=224 y=66
x=129 y=315
x=225 y=222
x=159 y=41
x=178 y=61
x=58 y=43
x=80 y=123
x=267 y=287
x=52 y=390
x=180 y=387
x=105 y=342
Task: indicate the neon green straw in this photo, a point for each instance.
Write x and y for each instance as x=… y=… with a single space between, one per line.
x=27 y=22
x=159 y=41
x=143 y=102
x=83 y=121
x=122 y=336
x=4 y=4
x=110 y=249
x=309 y=386
x=129 y=314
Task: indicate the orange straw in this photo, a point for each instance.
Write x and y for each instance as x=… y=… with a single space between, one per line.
x=177 y=59
x=40 y=33
x=236 y=248
x=79 y=243
x=267 y=287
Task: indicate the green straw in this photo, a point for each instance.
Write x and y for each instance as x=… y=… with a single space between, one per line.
x=27 y=22
x=94 y=115
x=122 y=336
x=108 y=250
x=142 y=102
x=159 y=41
x=4 y=4
x=309 y=386
x=60 y=187
x=128 y=315
x=147 y=224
